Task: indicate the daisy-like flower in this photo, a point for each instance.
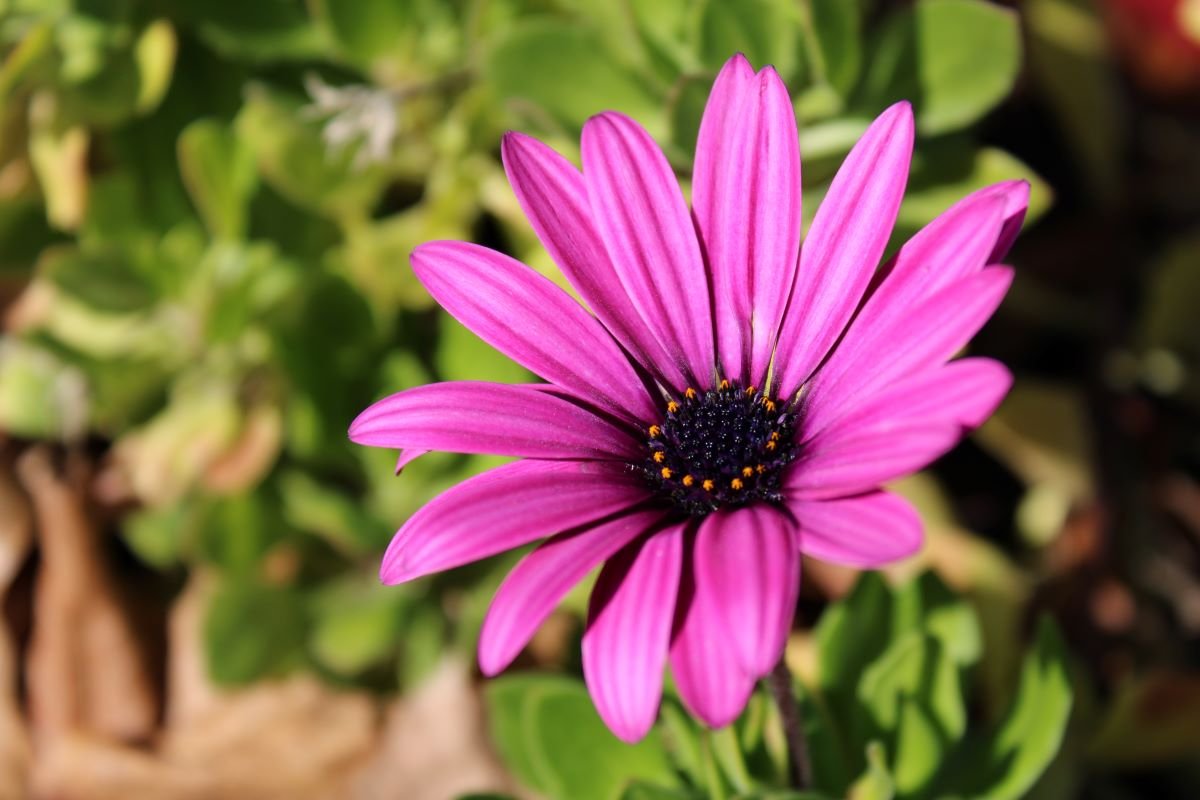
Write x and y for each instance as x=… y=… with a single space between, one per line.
x=732 y=401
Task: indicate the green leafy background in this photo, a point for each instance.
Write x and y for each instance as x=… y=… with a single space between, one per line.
x=206 y=211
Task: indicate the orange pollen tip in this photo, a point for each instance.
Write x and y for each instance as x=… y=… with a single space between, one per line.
x=774 y=436
x=672 y=407
x=736 y=483
x=655 y=431
x=690 y=393
x=747 y=472
x=708 y=485
x=751 y=389
x=660 y=457
x=688 y=480
x=760 y=469
x=771 y=446
x=724 y=384
x=666 y=473
x=770 y=405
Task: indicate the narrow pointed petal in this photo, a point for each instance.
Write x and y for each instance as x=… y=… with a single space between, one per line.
x=867 y=531
x=554 y=197
x=961 y=394
x=479 y=417
x=1016 y=203
x=533 y=322
x=929 y=334
x=629 y=631
x=711 y=682
x=746 y=201
x=749 y=558
x=844 y=245
x=543 y=578
x=651 y=240
x=859 y=462
x=504 y=508
x=406 y=457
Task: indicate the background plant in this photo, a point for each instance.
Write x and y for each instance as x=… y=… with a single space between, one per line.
x=206 y=210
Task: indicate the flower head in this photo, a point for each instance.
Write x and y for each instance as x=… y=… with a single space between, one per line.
x=732 y=401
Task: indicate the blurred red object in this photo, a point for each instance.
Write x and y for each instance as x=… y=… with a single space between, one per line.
x=1159 y=40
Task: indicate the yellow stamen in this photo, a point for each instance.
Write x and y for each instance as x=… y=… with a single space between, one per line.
x=774 y=436
x=660 y=457
x=655 y=431
x=688 y=480
x=736 y=483
x=768 y=404
x=747 y=472
x=672 y=407
x=666 y=473
x=760 y=469
x=751 y=389
x=708 y=485
x=771 y=447
x=724 y=384
x=690 y=393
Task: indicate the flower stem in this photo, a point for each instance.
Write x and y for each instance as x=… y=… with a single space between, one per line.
x=780 y=684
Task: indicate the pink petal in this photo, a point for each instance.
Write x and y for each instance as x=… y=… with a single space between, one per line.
x=629 y=630
x=641 y=214
x=746 y=200
x=504 y=508
x=866 y=531
x=1016 y=203
x=533 y=322
x=554 y=197
x=711 y=681
x=861 y=461
x=844 y=245
x=406 y=457
x=537 y=584
x=923 y=337
x=479 y=417
x=961 y=394
x=749 y=559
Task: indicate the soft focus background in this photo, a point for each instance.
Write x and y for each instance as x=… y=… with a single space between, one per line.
x=206 y=209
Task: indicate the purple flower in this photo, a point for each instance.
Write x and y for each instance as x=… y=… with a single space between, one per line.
x=733 y=400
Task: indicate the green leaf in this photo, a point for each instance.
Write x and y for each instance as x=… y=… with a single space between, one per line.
x=943 y=173
x=237 y=531
x=954 y=59
x=366 y=29
x=648 y=791
x=766 y=31
x=294 y=160
x=158 y=536
x=836 y=27
x=876 y=782
x=356 y=624
x=461 y=355
x=237 y=653
x=916 y=669
x=853 y=632
x=265 y=30
x=40 y=396
x=926 y=603
x=219 y=173
x=827 y=737
x=559 y=71
x=425 y=633
x=550 y=736
x=105 y=281
x=1008 y=762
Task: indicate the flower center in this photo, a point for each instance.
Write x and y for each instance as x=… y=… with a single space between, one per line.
x=724 y=447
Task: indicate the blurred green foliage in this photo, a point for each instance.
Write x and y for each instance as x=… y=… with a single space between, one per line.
x=887 y=717
x=213 y=204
